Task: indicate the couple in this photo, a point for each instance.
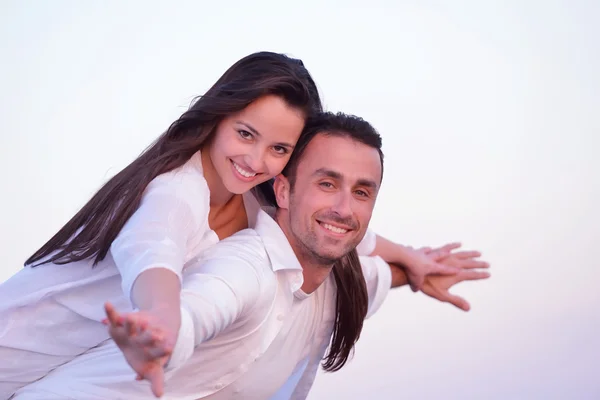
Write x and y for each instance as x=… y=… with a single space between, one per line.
x=249 y=316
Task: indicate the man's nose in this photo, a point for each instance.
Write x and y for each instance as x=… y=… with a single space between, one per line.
x=342 y=205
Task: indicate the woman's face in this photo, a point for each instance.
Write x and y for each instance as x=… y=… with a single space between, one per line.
x=254 y=145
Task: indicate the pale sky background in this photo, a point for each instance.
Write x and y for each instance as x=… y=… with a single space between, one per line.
x=490 y=116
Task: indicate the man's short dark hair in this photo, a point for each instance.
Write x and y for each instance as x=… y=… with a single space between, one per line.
x=333 y=124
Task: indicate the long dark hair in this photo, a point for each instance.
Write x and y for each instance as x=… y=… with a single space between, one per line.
x=352 y=300
x=91 y=231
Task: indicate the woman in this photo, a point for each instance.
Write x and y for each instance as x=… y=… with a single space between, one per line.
x=131 y=241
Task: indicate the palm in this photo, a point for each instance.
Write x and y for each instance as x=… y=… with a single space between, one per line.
x=145 y=342
x=425 y=262
x=438 y=286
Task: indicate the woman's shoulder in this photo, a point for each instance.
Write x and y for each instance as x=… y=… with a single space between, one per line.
x=186 y=181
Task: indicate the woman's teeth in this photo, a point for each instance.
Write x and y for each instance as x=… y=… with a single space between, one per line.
x=243 y=172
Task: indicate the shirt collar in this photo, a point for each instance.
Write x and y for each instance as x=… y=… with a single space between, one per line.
x=278 y=247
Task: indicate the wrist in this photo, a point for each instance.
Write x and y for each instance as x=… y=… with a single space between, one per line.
x=399 y=276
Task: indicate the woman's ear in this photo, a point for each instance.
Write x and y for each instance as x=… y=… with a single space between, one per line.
x=281 y=187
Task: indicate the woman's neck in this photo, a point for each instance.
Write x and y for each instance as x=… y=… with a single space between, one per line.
x=219 y=195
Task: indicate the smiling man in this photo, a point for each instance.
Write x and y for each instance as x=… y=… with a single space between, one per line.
x=263 y=308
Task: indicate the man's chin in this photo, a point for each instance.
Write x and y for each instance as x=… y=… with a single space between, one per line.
x=333 y=255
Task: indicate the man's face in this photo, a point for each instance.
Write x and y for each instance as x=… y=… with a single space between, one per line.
x=329 y=207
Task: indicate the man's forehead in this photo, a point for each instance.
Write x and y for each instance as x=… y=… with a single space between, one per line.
x=341 y=157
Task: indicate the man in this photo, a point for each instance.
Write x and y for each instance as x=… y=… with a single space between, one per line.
x=260 y=309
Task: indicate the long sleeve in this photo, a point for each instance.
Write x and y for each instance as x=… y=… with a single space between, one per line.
x=218 y=290
x=378 y=278
x=367 y=244
x=173 y=209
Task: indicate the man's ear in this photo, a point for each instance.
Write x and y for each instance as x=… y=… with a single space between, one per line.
x=281 y=187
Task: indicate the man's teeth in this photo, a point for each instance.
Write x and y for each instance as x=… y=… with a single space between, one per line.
x=243 y=172
x=334 y=228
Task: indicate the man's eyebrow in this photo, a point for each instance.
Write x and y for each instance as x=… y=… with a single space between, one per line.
x=327 y=172
x=257 y=133
x=368 y=183
x=371 y=184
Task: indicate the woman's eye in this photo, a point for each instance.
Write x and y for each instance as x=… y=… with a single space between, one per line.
x=245 y=134
x=280 y=149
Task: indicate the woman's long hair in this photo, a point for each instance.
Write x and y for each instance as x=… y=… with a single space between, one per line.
x=91 y=231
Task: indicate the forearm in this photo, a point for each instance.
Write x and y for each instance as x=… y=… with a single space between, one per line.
x=391 y=252
x=158 y=290
x=399 y=277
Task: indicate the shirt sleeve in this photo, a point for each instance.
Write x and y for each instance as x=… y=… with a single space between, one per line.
x=367 y=246
x=378 y=278
x=156 y=235
x=217 y=291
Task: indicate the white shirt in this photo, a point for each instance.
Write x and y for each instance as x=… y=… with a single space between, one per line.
x=246 y=328
x=51 y=313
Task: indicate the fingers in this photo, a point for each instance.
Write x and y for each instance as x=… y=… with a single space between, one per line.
x=466 y=254
x=444 y=251
x=441 y=269
x=156 y=376
x=154 y=344
x=471 y=275
x=135 y=323
x=130 y=326
x=458 y=302
x=472 y=264
x=114 y=318
x=447 y=248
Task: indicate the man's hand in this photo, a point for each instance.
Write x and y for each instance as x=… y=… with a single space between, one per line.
x=438 y=287
x=418 y=264
x=146 y=342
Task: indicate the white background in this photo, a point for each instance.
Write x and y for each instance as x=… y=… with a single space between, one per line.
x=489 y=112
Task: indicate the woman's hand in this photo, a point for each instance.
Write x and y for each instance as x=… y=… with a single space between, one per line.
x=146 y=340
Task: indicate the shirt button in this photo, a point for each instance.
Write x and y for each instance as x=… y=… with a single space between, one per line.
x=280 y=317
x=219 y=386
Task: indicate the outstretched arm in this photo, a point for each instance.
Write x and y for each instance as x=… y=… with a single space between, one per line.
x=416 y=264
x=216 y=292
x=151 y=249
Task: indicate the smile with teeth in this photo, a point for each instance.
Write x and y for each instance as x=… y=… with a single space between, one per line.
x=242 y=171
x=334 y=228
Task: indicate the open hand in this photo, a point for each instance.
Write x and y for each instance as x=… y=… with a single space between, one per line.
x=145 y=341
x=469 y=267
x=425 y=262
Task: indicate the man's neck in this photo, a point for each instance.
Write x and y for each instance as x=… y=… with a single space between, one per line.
x=314 y=276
